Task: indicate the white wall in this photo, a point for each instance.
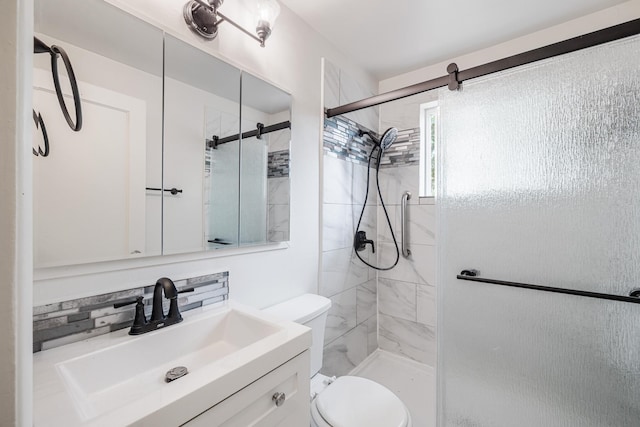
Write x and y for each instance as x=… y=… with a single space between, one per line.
x=593 y=22
x=16 y=30
x=291 y=60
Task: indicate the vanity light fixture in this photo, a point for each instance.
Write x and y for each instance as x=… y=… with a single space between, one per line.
x=204 y=17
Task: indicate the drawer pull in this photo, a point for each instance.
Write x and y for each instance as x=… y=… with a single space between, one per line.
x=279 y=398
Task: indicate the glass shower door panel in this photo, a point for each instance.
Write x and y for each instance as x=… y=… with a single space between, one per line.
x=539 y=175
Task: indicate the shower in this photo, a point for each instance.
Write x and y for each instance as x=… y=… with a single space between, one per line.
x=360 y=240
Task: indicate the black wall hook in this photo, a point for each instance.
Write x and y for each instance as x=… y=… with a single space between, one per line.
x=40 y=47
x=37 y=119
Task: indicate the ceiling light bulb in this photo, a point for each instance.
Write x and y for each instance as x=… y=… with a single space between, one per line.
x=266 y=13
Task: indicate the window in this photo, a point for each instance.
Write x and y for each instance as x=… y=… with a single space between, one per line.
x=429 y=124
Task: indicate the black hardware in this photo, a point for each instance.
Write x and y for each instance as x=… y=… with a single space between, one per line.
x=40 y=47
x=454 y=83
x=472 y=275
x=219 y=241
x=173 y=191
x=37 y=118
x=260 y=130
x=140 y=321
x=360 y=242
x=595 y=38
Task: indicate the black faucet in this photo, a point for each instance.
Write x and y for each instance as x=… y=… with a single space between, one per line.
x=166 y=286
x=158 y=319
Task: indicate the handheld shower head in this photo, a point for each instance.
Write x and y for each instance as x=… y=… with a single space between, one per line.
x=388 y=138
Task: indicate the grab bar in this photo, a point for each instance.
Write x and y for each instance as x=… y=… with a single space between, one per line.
x=472 y=275
x=406 y=252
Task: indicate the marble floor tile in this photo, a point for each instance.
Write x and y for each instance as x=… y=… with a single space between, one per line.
x=414 y=383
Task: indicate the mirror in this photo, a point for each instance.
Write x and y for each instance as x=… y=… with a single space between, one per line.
x=163 y=163
x=90 y=202
x=264 y=162
x=202 y=103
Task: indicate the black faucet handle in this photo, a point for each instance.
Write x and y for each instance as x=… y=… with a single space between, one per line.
x=128 y=302
x=186 y=290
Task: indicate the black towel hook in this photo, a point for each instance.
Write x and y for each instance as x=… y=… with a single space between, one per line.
x=37 y=118
x=40 y=47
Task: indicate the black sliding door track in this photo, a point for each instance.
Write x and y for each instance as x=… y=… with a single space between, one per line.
x=455 y=77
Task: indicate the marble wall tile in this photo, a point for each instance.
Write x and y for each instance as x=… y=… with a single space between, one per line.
x=360 y=185
x=397 y=299
x=384 y=232
x=278 y=225
x=426 y=305
x=341 y=271
x=278 y=191
x=421 y=223
x=337 y=181
x=352 y=90
x=331 y=85
x=419 y=268
x=342 y=315
x=410 y=339
x=369 y=219
x=395 y=181
x=346 y=352
x=337 y=226
x=366 y=300
x=372 y=334
x=280 y=140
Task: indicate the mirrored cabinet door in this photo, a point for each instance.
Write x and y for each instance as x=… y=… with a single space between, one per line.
x=264 y=162
x=201 y=150
x=91 y=176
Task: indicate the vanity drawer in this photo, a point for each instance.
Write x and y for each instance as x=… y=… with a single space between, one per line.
x=254 y=405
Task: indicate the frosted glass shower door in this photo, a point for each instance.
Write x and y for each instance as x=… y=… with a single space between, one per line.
x=540 y=183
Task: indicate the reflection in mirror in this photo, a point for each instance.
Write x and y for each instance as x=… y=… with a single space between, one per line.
x=90 y=202
x=264 y=170
x=202 y=105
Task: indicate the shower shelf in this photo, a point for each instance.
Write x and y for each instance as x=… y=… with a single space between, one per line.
x=472 y=275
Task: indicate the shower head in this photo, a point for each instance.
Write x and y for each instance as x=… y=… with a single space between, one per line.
x=388 y=138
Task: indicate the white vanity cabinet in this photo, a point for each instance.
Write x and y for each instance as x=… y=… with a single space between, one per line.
x=258 y=405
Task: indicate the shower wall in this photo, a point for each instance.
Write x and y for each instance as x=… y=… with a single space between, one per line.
x=351 y=332
x=406 y=293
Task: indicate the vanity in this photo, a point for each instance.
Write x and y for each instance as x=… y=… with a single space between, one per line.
x=245 y=368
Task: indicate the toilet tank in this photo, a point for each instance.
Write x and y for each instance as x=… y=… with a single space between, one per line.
x=310 y=310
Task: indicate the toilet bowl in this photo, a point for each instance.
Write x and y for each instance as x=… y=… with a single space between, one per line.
x=346 y=401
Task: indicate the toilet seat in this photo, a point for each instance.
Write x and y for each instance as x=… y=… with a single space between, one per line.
x=355 y=402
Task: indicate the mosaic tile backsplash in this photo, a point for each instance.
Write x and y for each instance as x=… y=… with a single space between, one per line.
x=278 y=164
x=76 y=320
x=341 y=140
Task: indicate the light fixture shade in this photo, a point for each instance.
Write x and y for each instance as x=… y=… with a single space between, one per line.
x=266 y=13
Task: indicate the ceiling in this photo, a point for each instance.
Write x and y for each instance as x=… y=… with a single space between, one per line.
x=392 y=37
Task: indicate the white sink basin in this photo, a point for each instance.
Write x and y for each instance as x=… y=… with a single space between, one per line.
x=117 y=379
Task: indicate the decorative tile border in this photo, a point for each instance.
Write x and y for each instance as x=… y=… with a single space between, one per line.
x=341 y=140
x=76 y=320
x=278 y=164
x=405 y=151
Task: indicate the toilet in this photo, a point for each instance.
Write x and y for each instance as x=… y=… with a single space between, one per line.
x=346 y=401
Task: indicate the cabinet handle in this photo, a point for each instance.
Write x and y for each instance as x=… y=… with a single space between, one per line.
x=279 y=398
